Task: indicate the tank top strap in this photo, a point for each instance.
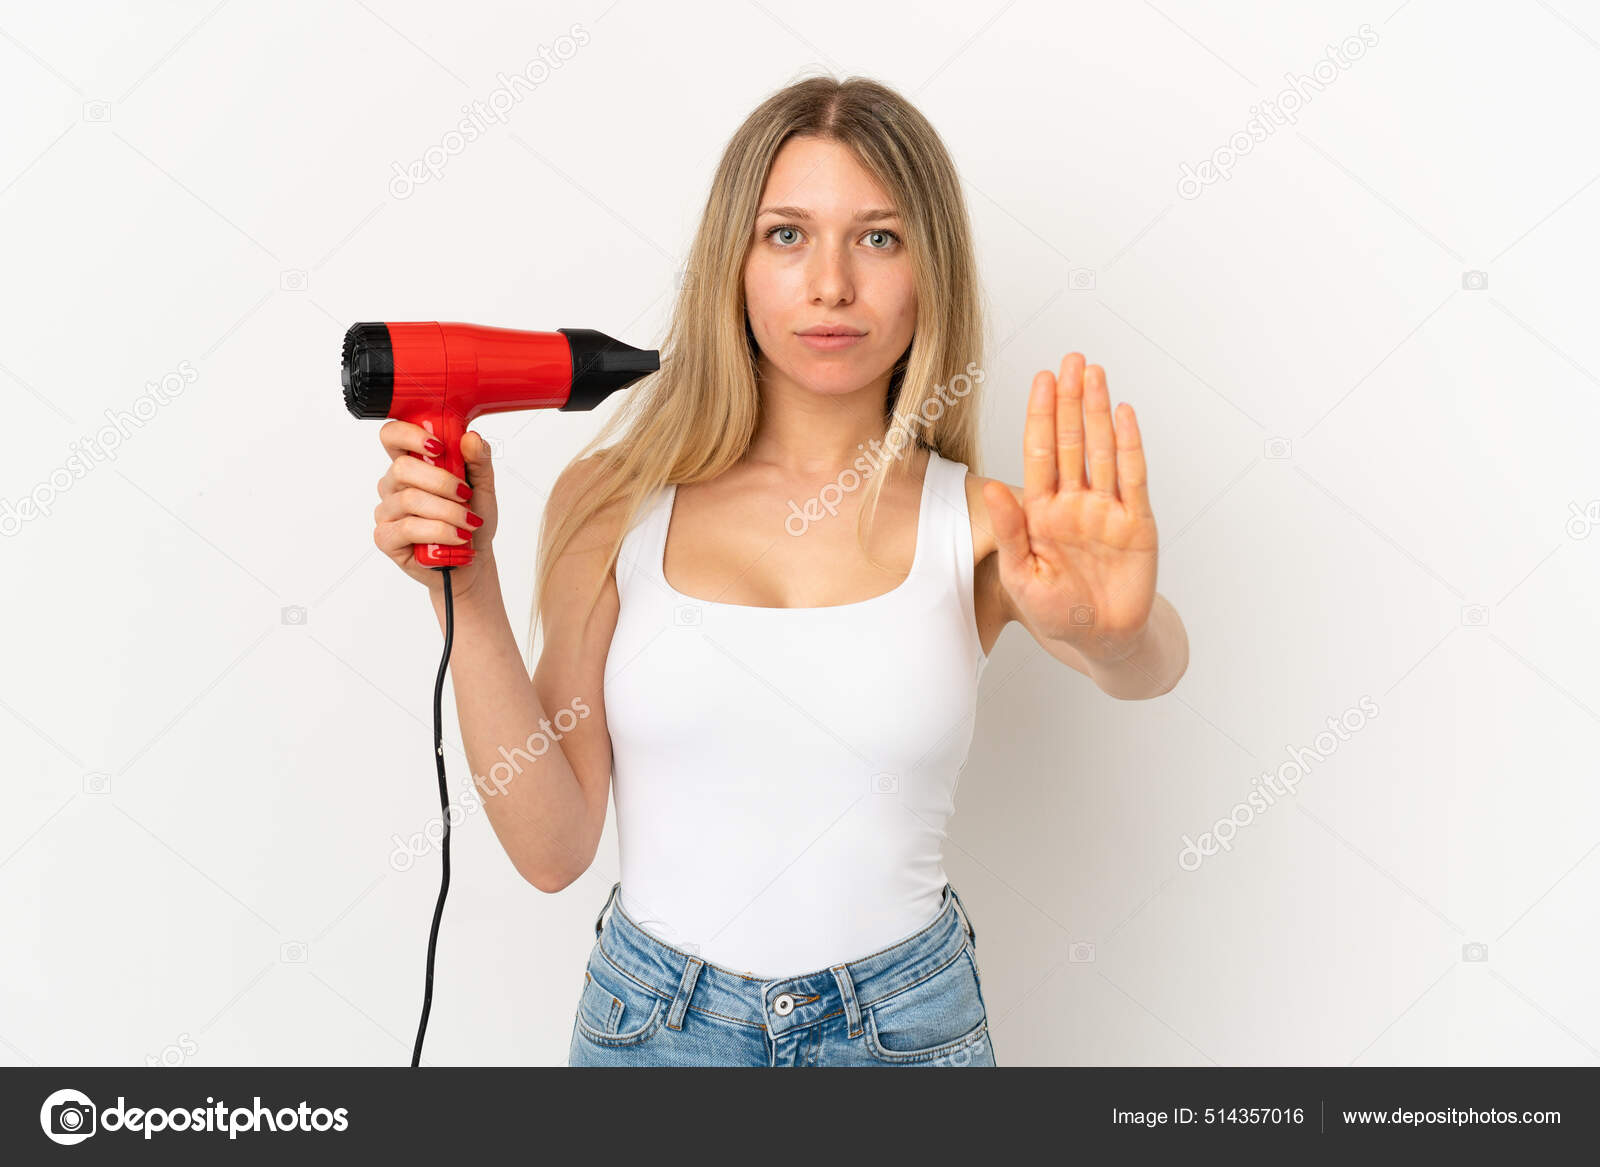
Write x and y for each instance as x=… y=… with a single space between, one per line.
x=645 y=544
x=951 y=527
x=950 y=522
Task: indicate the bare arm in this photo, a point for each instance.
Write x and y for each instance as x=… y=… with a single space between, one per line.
x=538 y=746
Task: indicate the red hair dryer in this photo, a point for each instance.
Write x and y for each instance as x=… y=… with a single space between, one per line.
x=441 y=376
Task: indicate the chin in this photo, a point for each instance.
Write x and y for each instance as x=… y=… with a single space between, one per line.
x=833 y=389
x=832 y=379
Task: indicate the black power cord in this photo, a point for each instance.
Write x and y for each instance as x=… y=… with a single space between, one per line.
x=444 y=808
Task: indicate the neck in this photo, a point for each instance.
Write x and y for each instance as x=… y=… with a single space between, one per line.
x=810 y=434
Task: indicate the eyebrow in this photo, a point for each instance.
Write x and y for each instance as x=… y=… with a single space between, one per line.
x=868 y=216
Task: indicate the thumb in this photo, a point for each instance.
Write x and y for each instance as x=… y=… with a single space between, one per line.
x=1010 y=525
x=475 y=453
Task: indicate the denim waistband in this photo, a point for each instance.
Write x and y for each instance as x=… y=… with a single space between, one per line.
x=787 y=1003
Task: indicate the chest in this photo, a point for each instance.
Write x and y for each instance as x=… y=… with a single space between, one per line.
x=866 y=688
x=768 y=552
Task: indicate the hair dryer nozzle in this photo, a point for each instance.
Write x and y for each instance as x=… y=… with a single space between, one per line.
x=601 y=365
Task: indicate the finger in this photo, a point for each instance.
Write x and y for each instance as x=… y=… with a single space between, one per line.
x=1101 y=440
x=1132 y=474
x=1069 y=423
x=412 y=501
x=1038 y=440
x=400 y=437
x=1010 y=523
x=394 y=536
x=408 y=471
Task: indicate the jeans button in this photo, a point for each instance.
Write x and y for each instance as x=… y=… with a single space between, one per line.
x=783 y=1005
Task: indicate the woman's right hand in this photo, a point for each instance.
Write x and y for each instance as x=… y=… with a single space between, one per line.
x=419 y=503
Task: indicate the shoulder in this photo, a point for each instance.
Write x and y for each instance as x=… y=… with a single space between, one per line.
x=983 y=541
x=571 y=486
x=583 y=572
x=579 y=601
x=985 y=563
x=572 y=483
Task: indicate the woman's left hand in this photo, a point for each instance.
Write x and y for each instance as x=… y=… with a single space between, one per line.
x=1078 y=555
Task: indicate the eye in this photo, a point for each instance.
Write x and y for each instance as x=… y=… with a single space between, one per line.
x=771 y=231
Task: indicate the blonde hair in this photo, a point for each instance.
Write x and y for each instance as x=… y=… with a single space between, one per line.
x=694 y=418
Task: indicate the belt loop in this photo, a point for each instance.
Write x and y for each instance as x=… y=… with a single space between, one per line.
x=847 y=990
x=680 y=1003
x=972 y=933
x=604 y=906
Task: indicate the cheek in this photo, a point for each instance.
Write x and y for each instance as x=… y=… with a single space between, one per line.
x=896 y=295
x=764 y=290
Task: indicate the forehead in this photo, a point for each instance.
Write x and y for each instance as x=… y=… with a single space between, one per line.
x=824 y=176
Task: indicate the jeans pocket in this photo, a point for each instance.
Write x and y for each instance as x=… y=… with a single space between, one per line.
x=616 y=1010
x=938 y=1021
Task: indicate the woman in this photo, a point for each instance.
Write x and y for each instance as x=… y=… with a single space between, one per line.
x=769 y=588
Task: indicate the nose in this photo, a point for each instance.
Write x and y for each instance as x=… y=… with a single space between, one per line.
x=830 y=276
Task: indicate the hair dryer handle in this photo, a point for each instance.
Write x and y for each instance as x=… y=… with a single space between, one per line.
x=448 y=427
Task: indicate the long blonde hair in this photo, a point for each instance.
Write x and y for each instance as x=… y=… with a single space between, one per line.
x=694 y=418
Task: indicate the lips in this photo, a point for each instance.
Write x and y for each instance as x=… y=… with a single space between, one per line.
x=827 y=344
x=831 y=330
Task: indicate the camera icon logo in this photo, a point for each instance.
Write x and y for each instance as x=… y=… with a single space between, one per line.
x=292 y=952
x=1082 y=952
x=1082 y=614
x=1475 y=281
x=174 y=1054
x=884 y=784
x=1081 y=279
x=292 y=280
x=294 y=614
x=1584 y=519
x=1276 y=449
x=686 y=615
x=97 y=782
x=68 y=1117
x=1475 y=952
x=1474 y=615
x=97 y=111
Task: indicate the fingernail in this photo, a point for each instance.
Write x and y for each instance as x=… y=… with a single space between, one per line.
x=464 y=491
x=463 y=534
x=434 y=446
x=473 y=520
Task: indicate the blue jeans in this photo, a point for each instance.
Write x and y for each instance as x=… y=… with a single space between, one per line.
x=914 y=1003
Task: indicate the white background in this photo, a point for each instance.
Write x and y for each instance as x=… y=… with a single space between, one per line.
x=198 y=793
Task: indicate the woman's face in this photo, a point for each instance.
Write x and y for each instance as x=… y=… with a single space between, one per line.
x=816 y=262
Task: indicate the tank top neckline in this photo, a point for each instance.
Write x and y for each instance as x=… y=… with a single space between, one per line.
x=919 y=558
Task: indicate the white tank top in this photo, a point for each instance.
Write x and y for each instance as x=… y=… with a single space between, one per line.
x=782 y=776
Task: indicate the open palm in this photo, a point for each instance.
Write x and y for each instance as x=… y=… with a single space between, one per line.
x=1078 y=553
